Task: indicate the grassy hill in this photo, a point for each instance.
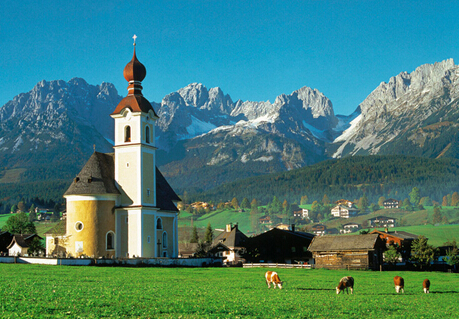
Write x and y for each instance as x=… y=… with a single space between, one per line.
x=417 y=222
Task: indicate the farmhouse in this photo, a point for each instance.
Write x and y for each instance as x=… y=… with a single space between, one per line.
x=301 y=213
x=20 y=244
x=232 y=239
x=279 y=246
x=345 y=202
x=120 y=205
x=391 y=203
x=350 y=228
x=265 y=220
x=344 y=211
x=319 y=229
x=400 y=238
x=348 y=252
x=381 y=221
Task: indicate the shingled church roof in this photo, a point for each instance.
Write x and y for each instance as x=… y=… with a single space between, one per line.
x=96 y=177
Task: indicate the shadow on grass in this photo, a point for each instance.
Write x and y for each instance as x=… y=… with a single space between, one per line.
x=316 y=289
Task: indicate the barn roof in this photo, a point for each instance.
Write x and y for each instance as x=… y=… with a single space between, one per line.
x=397 y=234
x=339 y=243
x=233 y=239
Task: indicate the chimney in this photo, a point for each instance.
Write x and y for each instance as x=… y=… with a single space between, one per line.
x=228 y=228
x=293 y=227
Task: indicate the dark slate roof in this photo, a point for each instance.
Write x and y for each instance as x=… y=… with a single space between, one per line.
x=234 y=238
x=397 y=234
x=96 y=177
x=165 y=195
x=23 y=240
x=339 y=243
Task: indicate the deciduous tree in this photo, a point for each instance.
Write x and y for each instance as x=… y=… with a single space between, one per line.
x=304 y=200
x=20 y=224
x=245 y=203
x=391 y=256
x=415 y=196
x=235 y=203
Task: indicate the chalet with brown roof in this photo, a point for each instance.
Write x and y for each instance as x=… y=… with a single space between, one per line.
x=401 y=239
x=391 y=203
x=265 y=220
x=235 y=241
x=382 y=221
x=345 y=202
x=348 y=252
x=301 y=213
x=341 y=211
x=319 y=229
x=20 y=244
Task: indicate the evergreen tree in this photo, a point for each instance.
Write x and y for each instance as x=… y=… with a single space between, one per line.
x=422 y=254
x=235 y=203
x=374 y=207
x=245 y=203
x=304 y=200
x=363 y=204
x=437 y=216
x=209 y=235
x=276 y=205
x=194 y=235
x=407 y=204
x=415 y=196
x=391 y=255
x=14 y=208
x=455 y=199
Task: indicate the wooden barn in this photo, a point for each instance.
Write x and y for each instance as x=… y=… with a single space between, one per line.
x=348 y=252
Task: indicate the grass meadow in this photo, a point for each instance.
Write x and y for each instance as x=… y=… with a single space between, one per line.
x=37 y=291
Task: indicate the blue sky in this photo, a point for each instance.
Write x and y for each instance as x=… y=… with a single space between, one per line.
x=253 y=50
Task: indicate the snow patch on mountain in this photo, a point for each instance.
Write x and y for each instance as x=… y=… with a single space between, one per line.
x=198 y=127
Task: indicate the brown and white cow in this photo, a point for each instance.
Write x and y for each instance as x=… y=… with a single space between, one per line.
x=345 y=283
x=399 y=284
x=426 y=285
x=273 y=277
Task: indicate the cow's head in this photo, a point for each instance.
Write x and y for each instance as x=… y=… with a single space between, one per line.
x=338 y=290
x=280 y=284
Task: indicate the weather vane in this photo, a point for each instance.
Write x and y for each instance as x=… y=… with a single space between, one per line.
x=134 y=37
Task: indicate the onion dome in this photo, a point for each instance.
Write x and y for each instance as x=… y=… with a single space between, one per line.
x=134 y=70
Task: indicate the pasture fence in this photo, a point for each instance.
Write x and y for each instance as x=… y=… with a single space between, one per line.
x=276 y=265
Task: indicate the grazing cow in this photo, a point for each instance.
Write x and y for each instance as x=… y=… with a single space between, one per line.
x=345 y=283
x=272 y=277
x=426 y=285
x=399 y=284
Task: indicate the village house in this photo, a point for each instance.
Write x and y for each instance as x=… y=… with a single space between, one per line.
x=265 y=220
x=381 y=221
x=233 y=241
x=20 y=244
x=391 y=203
x=345 y=202
x=350 y=228
x=401 y=239
x=348 y=252
x=319 y=229
x=341 y=211
x=302 y=213
x=279 y=246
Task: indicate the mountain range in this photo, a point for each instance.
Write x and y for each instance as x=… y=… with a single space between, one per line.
x=205 y=139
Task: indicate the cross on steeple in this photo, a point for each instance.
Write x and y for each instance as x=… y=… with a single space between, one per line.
x=134 y=37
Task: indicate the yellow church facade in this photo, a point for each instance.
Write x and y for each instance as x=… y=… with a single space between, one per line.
x=120 y=205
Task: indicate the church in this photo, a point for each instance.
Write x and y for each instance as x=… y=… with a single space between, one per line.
x=120 y=205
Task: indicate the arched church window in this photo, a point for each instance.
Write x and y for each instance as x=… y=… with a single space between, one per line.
x=159 y=224
x=127 y=133
x=164 y=240
x=110 y=240
x=147 y=134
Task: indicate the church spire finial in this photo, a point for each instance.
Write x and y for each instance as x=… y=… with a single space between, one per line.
x=134 y=37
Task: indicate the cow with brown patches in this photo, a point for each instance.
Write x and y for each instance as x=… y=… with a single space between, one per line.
x=426 y=285
x=273 y=277
x=399 y=284
x=345 y=283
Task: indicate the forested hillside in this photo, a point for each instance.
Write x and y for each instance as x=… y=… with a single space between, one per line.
x=351 y=177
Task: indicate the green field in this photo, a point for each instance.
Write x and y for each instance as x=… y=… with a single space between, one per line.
x=33 y=291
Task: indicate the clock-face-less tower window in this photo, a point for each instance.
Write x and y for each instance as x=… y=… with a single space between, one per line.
x=127 y=134
x=147 y=134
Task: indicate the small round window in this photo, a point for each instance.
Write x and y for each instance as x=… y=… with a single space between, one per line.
x=79 y=226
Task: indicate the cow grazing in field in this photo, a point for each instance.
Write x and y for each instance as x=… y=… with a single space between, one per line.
x=273 y=277
x=345 y=283
x=426 y=285
x=399 y=284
